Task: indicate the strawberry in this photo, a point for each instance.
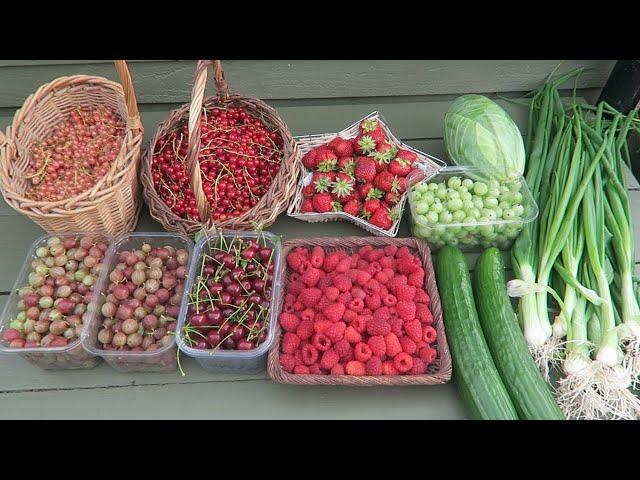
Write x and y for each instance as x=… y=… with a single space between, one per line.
x=309 y=191
x=347 y=165
x=336 y=206
x=327 y=160
x=391 y=198
x=399 y=185
x=381 y=218
x=322 y=202
x=369 y=125
x=352 y=207
x=370 y=207
x=342 y=147
x=365 y=170
x=407 y=155
x=383 y=154
x=307 y=206
x=400 y=167
x=342 y=187
x=384 y=181
x=322 y=181
x=364 y=144
x=364 y=189
x=310 y=159
x=378 y=134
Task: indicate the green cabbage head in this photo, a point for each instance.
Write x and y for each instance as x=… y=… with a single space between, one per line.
x=478 y=132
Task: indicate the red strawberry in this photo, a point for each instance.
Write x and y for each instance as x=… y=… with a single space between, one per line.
x=347 y=165
x=365 y=189
x=364 y=144
x=407 y=155
x=310 y=159
x=352 y=207
x=342 y=187
x=381 y=218
x=365 y=170
x=307 y=206
x=309 y=191
x=327 y=160
x=391 y=198
x=342 y=147
x=369 y=125
x=399 y=185
x=322 y=202
x=383 y=155
x=378 y=134
x=370 y=207
x=400 y=167
x=384 y=181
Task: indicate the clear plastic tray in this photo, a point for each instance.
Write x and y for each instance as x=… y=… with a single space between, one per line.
x=232 y=361
x=160 y=360
x=472 y=236
x=69 y=357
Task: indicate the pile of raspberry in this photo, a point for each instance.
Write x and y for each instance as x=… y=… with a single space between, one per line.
x=364 y=313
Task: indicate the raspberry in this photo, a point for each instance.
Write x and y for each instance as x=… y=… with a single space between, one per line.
x=344 y=298
x=429 y=334
x=351 y=335
x=378 y=326
x=360 y=323
x=403 y=362
x=298 y=306
x=355 y=258
x=324 y=282
x=419 y=367
x=388 y=368
x=382 y=312
x=288 y=308
x=304 y=266
x=423 y=313
x=382 y=277
x=321 y=326
x=290 y=298
x=317 y=257
x=289 y=322
x=349 y=316
x=301 y=370
x=406 y=265
x=295 y=288
x=307 y=314
x=373 y=301
x=352 y=274
x=413 y=330
x=393 y=345
x=329 y=359
x=428 y=354
x=406 y=310
x=421 y=344
x=294 y=260
x=396 y=282
x=362 y=266
x=290 y=342
x=294 y=277
x=331 y=261
x=374 y=268
x=309 y=354
x=416 y=278
x=375 y=255
x=315 y=369
x=390 y=250
x=383 y=290
x=342 y=348
x=305 y=330
x=372 y=286
x=337 y=369
x=408 y=345
x=323 y=304
x=356 y=305
x=364 y=251
x=405 y=293
x=389 y=300
x=387 y=262
x=343 y=265
x=403 y=252
x=357 y=292
x=309 y=297
x=362 y=352
x=287 y=362
x=422 y=297
x=374 y=366
x=311 y=277
x=336 y=331
x=334 y=312
x=321 y=342
x=377 y=345
x=332 y=293
x=396 y=324
x=356 y=368
x=342 y=282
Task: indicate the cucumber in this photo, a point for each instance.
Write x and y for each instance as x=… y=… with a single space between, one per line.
x=474 y=372
x=529 y=393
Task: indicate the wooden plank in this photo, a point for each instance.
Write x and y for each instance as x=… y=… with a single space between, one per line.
x=252 y=399
x=166 y=82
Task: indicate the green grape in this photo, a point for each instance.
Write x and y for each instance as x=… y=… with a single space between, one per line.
x=504 y=189
x=516 y=197
x=476 y=213
x=441 y=193
x=416 y=196
x=467 y=183
x=454 y=182
x=477 y=201
x=498 y=211
x=452 y=194
x=437 y=206
x=504 y=205
x=432 y=218
x=508 y=214
x=493 y=185
x=467 y=205
x=432 y=186
x=518 y=210
x=445 y=217
x=466 y=196
x=493 y=193
x=459 y=216
x=428 y=197
x=422 y=208
x=480 y=188
x=454 y=204
x=421 y=231
x=490 y=202
x=422 y=187
x=440 y=231
x=515 y=186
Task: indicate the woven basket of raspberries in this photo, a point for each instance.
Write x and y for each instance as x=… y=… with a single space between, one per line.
x=226 y=161
x=360 y=175
x=359 y=311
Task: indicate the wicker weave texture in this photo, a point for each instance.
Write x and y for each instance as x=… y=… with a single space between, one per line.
x=439 y=371
x=112 y=205
x=270 y=205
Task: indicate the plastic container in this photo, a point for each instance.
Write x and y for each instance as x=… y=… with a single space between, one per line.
x=69 y=357
x=232 y=361
x=162 y=360
x=472 y=236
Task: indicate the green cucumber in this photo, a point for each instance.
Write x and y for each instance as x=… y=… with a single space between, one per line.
x=529 y=393
x=474 y=372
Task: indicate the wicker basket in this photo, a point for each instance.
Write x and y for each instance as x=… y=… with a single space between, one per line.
x=439 y=371
x=270 y=205
x=112 y=205
x=428 y=166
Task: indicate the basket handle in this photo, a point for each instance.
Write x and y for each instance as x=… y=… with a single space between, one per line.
x=195 y=109
x=133 y=122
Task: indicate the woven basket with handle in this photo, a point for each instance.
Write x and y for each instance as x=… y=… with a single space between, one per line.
x=112 y=205
x=270 y=205
x=438 y=372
